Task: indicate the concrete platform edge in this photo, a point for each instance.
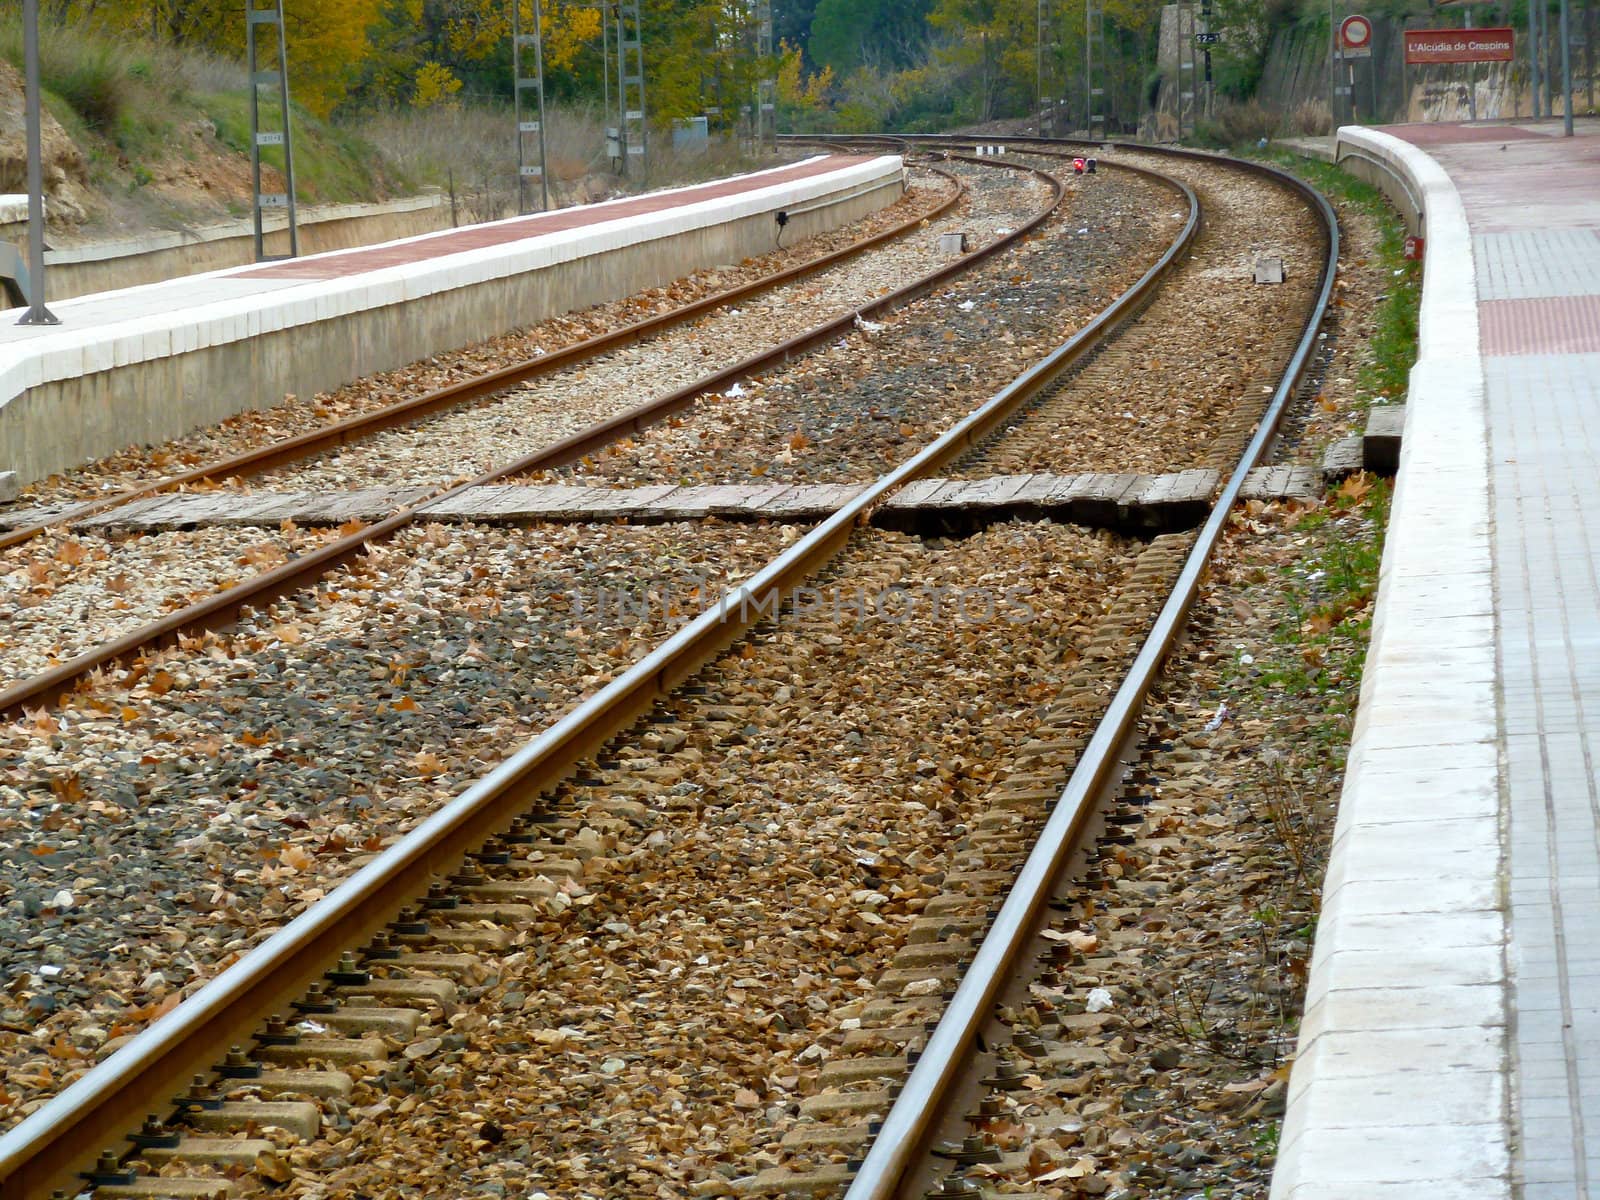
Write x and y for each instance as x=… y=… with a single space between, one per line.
x=77 y=392
x=1408 y=979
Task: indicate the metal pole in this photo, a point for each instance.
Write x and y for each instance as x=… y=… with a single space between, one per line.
x=1533 y=56
x=766 y=84
x=1338 y=61
x=1472 y=77
x=1566 y=67
x=288 y=135
x=1088 y=70
x=622 y=93
x=516 y=103
x=605 y=69
x=1333 y=38
x=1038 y=63
x=1372 y=86
x=252 y=62
x=1588 y=48
x=538 y=71
x=37 y=313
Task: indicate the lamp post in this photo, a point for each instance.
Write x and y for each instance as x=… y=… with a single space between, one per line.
x=37 y=313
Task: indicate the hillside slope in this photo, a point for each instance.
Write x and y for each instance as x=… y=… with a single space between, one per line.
x=139 y=138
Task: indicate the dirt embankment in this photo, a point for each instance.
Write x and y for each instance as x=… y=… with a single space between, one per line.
x=66 y=171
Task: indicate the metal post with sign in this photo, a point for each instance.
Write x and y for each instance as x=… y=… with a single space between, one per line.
x=766 y=84
x=255 y=17
x=1355 y=41
x=1205 y=40
x=37 y=313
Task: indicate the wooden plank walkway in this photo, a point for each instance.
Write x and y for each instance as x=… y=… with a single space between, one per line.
x=1136 y=503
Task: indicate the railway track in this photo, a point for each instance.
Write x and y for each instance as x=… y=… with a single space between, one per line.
x=1009 y=1019
x=1164 y=396
x=293 y=562
x=544 y=874
x=280 y=451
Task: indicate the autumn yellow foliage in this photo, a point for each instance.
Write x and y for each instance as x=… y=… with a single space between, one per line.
x=336 y=45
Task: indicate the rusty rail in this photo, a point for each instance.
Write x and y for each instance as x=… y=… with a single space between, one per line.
x=911 y=1121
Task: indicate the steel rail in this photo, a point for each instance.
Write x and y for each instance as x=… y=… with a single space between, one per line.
x=67 y=1130
x=223 y=607
x=316 y=441
x=911 y=1120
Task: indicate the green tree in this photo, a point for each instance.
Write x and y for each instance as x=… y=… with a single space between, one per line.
x=887 y=34
x=992 y=43
x=791 y=24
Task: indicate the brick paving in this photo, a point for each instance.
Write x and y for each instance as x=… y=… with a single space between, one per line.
x=499 y=233
x=1537 y=263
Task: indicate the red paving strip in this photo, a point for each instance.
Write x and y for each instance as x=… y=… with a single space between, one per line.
x=477 y=237
x=1567 y=325
x=1448 y=135
x=1560 y=177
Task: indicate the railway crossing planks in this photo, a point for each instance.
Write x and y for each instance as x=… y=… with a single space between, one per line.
x=1133 y=503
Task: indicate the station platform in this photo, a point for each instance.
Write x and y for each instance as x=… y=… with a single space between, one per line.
x=149 y=363
x=1451 y=1042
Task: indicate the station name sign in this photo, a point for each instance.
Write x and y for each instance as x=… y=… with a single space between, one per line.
x=1425 y=46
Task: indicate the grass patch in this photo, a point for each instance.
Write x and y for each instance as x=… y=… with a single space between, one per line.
x=1331 y=587
x=331 y=165
x=133 y=107
x=1330 y=592
x=1393 y=340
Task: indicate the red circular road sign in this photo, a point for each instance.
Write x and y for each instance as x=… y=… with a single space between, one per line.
x=1355 y=33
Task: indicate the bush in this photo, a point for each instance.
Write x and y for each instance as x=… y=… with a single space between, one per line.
x=1310 y=118
x=90 y=74
x=1236 y=125
x=93 y=78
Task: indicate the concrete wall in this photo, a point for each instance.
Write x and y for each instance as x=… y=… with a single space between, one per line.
x=107 y=267
x=1386 y=90
x=1357 y=158
x=62 y=422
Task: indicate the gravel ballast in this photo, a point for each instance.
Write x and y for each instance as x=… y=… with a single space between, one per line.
x=850 y=412
x=661 y=1029
x=464 y=442
x=153 y=827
